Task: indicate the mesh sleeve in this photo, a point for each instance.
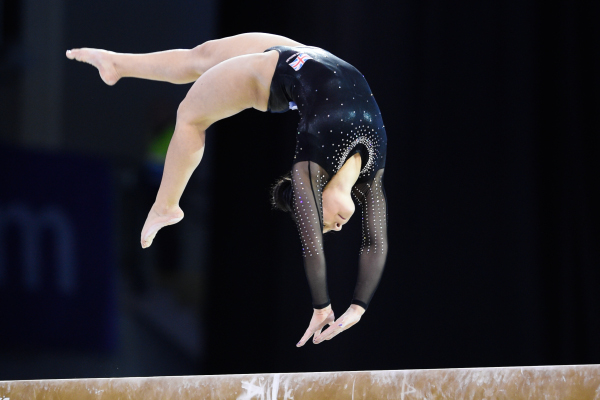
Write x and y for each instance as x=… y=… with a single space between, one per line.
x=308 y=180
x=373 y=252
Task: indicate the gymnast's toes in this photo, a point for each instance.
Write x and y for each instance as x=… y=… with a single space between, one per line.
x=101 y=59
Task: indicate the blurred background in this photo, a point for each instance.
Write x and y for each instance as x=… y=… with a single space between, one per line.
x=492 y=111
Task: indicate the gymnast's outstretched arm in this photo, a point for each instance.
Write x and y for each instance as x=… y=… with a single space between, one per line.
x=176 y=66
x=373 y=253
x=308 y=183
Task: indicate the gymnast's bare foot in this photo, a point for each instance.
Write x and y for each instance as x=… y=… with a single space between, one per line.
x=157 y=219
x=100 y=59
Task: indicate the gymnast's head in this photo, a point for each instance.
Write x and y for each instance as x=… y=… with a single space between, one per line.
x=338 y=206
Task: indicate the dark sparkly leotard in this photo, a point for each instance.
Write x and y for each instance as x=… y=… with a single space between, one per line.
x=338 y=118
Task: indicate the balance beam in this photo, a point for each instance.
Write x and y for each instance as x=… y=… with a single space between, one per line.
x=556 y=382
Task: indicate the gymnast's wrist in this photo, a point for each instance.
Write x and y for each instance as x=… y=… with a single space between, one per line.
x=324 y=310
x=358 y=309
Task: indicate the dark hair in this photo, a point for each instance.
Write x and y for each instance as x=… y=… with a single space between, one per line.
x=282 y=194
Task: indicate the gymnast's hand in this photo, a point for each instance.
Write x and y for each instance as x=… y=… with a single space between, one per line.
x=159 y=217
x=318 y=321
x=350 y=317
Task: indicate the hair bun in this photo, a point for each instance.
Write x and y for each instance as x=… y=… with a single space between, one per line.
x=282 y=193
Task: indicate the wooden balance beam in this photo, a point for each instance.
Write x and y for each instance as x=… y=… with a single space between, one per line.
x=558 y=382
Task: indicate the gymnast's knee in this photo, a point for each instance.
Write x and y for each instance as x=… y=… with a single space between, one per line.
x=191 y=117
x=203 y=55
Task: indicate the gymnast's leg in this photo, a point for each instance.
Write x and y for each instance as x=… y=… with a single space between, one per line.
x=176 y=66
x=224 y=90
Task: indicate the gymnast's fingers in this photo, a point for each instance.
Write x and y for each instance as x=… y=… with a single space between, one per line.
x=327 y=334
x=307 y=335
x=344 y=322
x=316 y=334
x=317 y=322
x=339 y=330
x=312 y=328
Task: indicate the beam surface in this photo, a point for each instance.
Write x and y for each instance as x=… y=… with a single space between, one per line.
x=557 y=382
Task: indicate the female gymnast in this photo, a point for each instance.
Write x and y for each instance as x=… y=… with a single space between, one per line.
x=340 y=149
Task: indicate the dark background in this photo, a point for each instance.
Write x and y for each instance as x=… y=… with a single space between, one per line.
x=492 y=116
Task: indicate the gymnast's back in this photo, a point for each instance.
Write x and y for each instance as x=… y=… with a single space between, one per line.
x=339 y=117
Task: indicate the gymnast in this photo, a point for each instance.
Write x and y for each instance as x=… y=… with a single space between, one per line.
x=340 y=144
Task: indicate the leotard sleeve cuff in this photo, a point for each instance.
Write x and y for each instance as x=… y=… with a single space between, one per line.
x=360 y=303
x=321 y=306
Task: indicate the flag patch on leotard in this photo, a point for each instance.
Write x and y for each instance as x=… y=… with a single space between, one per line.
x=299 y=61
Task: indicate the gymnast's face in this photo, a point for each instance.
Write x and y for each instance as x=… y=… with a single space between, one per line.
x=338 y=207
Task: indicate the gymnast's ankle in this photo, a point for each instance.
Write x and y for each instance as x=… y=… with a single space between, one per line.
x=164 y=209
